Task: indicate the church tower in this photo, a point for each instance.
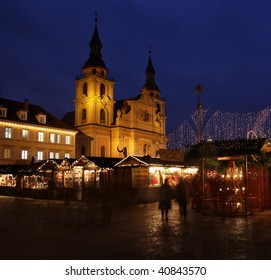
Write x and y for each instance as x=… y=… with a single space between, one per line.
x=94 y=102
x=108 y=128
x=140 y=127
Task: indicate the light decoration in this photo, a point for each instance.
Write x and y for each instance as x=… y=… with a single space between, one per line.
x=222 y=126
x=36 y=127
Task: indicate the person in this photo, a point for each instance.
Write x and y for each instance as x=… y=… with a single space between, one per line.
x=165 y=197
x=196 y=205
x=182 y=197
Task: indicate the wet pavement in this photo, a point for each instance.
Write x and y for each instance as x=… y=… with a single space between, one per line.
x=40 y=229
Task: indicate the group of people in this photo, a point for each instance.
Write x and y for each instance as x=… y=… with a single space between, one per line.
x=166 y=195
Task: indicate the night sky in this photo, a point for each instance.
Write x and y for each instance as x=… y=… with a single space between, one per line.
x=225 y=45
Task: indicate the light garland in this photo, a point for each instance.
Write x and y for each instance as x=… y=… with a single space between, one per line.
x=222 y=126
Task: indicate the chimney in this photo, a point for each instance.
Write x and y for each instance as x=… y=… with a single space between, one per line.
x=26 y=105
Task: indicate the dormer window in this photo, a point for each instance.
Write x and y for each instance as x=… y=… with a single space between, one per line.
x=41 y=118
x=23 y=115
x=3 y=112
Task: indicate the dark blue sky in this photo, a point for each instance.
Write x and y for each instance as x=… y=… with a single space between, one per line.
x=223 y=44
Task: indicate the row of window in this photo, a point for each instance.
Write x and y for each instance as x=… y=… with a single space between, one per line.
x=23 y=115
x=40 y=154
x=102 y=89
x=53 y=138
x=102 y=115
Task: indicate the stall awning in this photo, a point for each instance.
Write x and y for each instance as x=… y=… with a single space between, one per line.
x=231 y=148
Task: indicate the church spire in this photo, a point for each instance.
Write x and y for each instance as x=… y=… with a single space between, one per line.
x=95 y=56
x=150 y=84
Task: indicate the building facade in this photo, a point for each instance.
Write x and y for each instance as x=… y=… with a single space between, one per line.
x=29 y=132
x=116 y=128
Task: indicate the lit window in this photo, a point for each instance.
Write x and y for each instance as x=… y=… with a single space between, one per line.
x=58 y=138
x=3 y=112
x=68 y=139
x=51 y=155
x=7 y=153
x=24 y=154
x=67 y=155
x=56 y=155
x=41 y=118
x=23 y=115
x=41 y=136
x=40 y=155
x=8 y=132
x=52 y=137
x=25 y=133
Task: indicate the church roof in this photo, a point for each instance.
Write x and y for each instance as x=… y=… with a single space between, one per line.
x=150 y=76
x=95 y=44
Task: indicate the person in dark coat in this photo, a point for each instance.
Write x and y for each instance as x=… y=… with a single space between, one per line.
x=165 y=196
x=182 y=197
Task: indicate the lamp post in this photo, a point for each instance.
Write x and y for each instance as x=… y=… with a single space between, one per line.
x=198 y=91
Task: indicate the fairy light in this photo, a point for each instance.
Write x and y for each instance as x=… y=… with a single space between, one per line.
x=222 y=126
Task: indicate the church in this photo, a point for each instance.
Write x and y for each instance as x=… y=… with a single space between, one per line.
x=115 y=128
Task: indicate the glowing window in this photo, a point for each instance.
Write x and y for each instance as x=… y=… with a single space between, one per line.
x=24 y=154
x=8 y=131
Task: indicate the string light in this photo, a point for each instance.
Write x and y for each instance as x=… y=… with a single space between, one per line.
x=222 y=126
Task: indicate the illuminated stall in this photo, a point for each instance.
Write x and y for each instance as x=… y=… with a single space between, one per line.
x=84 y=177
x=142 y=172
x=140 y=177
x=234 y=175
x=49 y=171
x=29 y=177
x=7 y=177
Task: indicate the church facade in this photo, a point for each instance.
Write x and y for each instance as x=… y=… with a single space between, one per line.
x=116 y=128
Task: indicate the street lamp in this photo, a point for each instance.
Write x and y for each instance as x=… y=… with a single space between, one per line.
x=198 y=91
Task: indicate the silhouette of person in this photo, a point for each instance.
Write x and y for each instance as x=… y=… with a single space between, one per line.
x=182 y=197
x=165 y=196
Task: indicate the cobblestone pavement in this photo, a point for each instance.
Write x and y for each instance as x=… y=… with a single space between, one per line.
x=40 y=229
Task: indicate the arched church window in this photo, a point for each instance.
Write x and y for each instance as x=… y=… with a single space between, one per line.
x=85 y=89
x=84 y=114
x=94 y=71
x=102 y=116
x=146 y=116
x=102 y=151
x=102 y=72
x=145 y=149
x=158 y=108
x=102 y=90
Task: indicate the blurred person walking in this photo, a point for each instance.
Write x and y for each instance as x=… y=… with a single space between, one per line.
x=165 y=196
x=182 y=197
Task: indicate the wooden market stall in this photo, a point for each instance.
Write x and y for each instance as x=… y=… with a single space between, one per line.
x=234 y=175
x=140 y=177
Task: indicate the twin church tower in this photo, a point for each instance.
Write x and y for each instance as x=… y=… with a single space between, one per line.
x=116 y=128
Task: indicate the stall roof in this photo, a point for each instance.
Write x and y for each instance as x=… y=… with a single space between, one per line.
x=132 y=160
x=12 y=169
x=104 y=162
x=237 y=147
